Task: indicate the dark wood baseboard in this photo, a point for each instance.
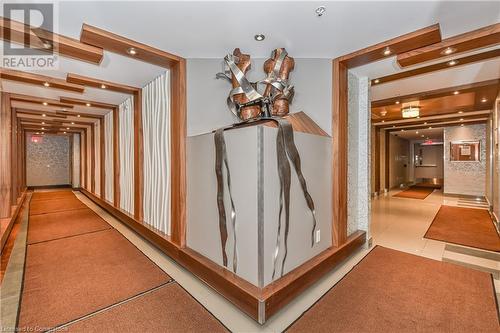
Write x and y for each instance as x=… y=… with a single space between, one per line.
x=258 y=303
x=48 y=187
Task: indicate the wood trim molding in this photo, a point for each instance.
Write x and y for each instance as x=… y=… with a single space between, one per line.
x=18 y=32
x=454 y=123
x=97 y=83
x=39 y=100
x=339 y=153
x=483 y=37
x=431 y=121
x=102 y=159
x=387 y=159
x=138 y=157
x=39 y=80
x=416 y=39
x=178 y=152
x=121 y=45
x=244 y=295
x=82 y=102
x=438 y=67
x=5 y=156
x=116 y=157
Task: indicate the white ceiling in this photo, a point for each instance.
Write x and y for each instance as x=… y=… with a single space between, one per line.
x=210 y=29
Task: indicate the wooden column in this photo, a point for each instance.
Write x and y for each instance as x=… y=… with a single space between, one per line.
x=102 y=150
x=138 y=157
x=387 y=159
x=14 y=166
x=92 y=158
x=339 y=156
x=116 y=157
x=83 y=147
x=5 y=157
x=377 y=160
x=178 y=154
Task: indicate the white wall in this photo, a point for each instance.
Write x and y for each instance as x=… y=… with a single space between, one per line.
x=206 y=96
x=108 y=155
x=76 y=160
x=127 y=155
x=467 y=178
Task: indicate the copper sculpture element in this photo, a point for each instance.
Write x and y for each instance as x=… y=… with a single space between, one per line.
x=279 y=67
x=244 y=64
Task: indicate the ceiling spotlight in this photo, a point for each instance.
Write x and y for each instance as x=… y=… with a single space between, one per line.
x=416 y=132
x=460 y=112
x=47 y=45
x=72 y=123
x=67 y=128
x=430 y=127
x=461 y=119
x=397 y=102
x=448 y=50
x=87 y=104
x=43 y=132
x=64 y=132
x=425 y=123
x=46 y=84
x=103 y=86
x=43 y=115
x=320 y=11
x=131 y=51
x=456 y=92
x=462 y=125
x=376 y=81
x=422 y=136
x=78 y=115
x=418 y=117
x=393 y=126
x=259 y=37
x=452 y=62
x=45 y=103
x=43 y=123
x=483 y=100
x=37 y=132
x=383 y=121
x=43 y=128
x=387 y=51
x=64 y=109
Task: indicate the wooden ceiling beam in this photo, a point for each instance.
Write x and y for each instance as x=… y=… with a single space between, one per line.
x=480 y=38
x=438 y=67
x=80 y=114
x=127 y=47
x=39 y=80
x=81 y=102
x=447 y=124
x=48 y=41
x=39 y=100
x=413 y=40
x=100 y=84
x=21 y=111
x=435 y=93
x=431 y=122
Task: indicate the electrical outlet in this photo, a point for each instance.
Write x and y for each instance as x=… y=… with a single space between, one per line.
x=318 y=235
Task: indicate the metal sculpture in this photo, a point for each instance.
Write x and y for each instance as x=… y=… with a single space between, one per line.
x=253 y=107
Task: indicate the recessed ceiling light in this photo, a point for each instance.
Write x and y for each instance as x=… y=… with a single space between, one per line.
x=43 y=128
x=103 y=86
x=78 y=115
x=87 y=104
x=67 y=128
x=425 y=123
x=430 y=127
x=397 y=102
x=460 y=112
x=416 y=132
x=43 y=132
x=422 y=136
x=37 y=132
x=483 y=100
x=387 y=51
x=461 y=119
x=43 y=123
x=259 y=37
x=64 y=132
x=72 y=123
x=45 y=103
x=383 y=121
x=448 y=50
x=320 y=11
x=402 y=130
x=131 y=51
x=418 y=117
x=393 y=126
x=376 y=81
x=43 y=115
x=46 y=84
x=47 y=45
x=452 y=62
x=456 y=92
x=64 y=109
x=462 y=125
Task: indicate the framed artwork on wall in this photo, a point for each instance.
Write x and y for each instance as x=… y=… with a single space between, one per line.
x=464 y=151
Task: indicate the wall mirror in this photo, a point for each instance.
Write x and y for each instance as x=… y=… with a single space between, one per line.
x=464 y=151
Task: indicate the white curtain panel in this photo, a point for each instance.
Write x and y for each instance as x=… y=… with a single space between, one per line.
x=108 y=154
x=88 y=160
x=97 y=159
x=156 y=132
x=127 y=155
x=76 y=160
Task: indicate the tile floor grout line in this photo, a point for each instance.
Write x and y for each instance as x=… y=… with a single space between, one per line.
x=109 y=307
x=70 y=236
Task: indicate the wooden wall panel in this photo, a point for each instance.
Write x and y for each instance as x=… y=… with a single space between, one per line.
x=339 y=156
x=5 y=157
x=116 y=158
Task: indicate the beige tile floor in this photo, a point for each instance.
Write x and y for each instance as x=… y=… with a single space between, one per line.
x=396 y=223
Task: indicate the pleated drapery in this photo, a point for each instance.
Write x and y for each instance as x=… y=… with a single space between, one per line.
x=97 y=158
x=76 y=160
x=108 y=153
x=156 y=135
x=127 y=155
